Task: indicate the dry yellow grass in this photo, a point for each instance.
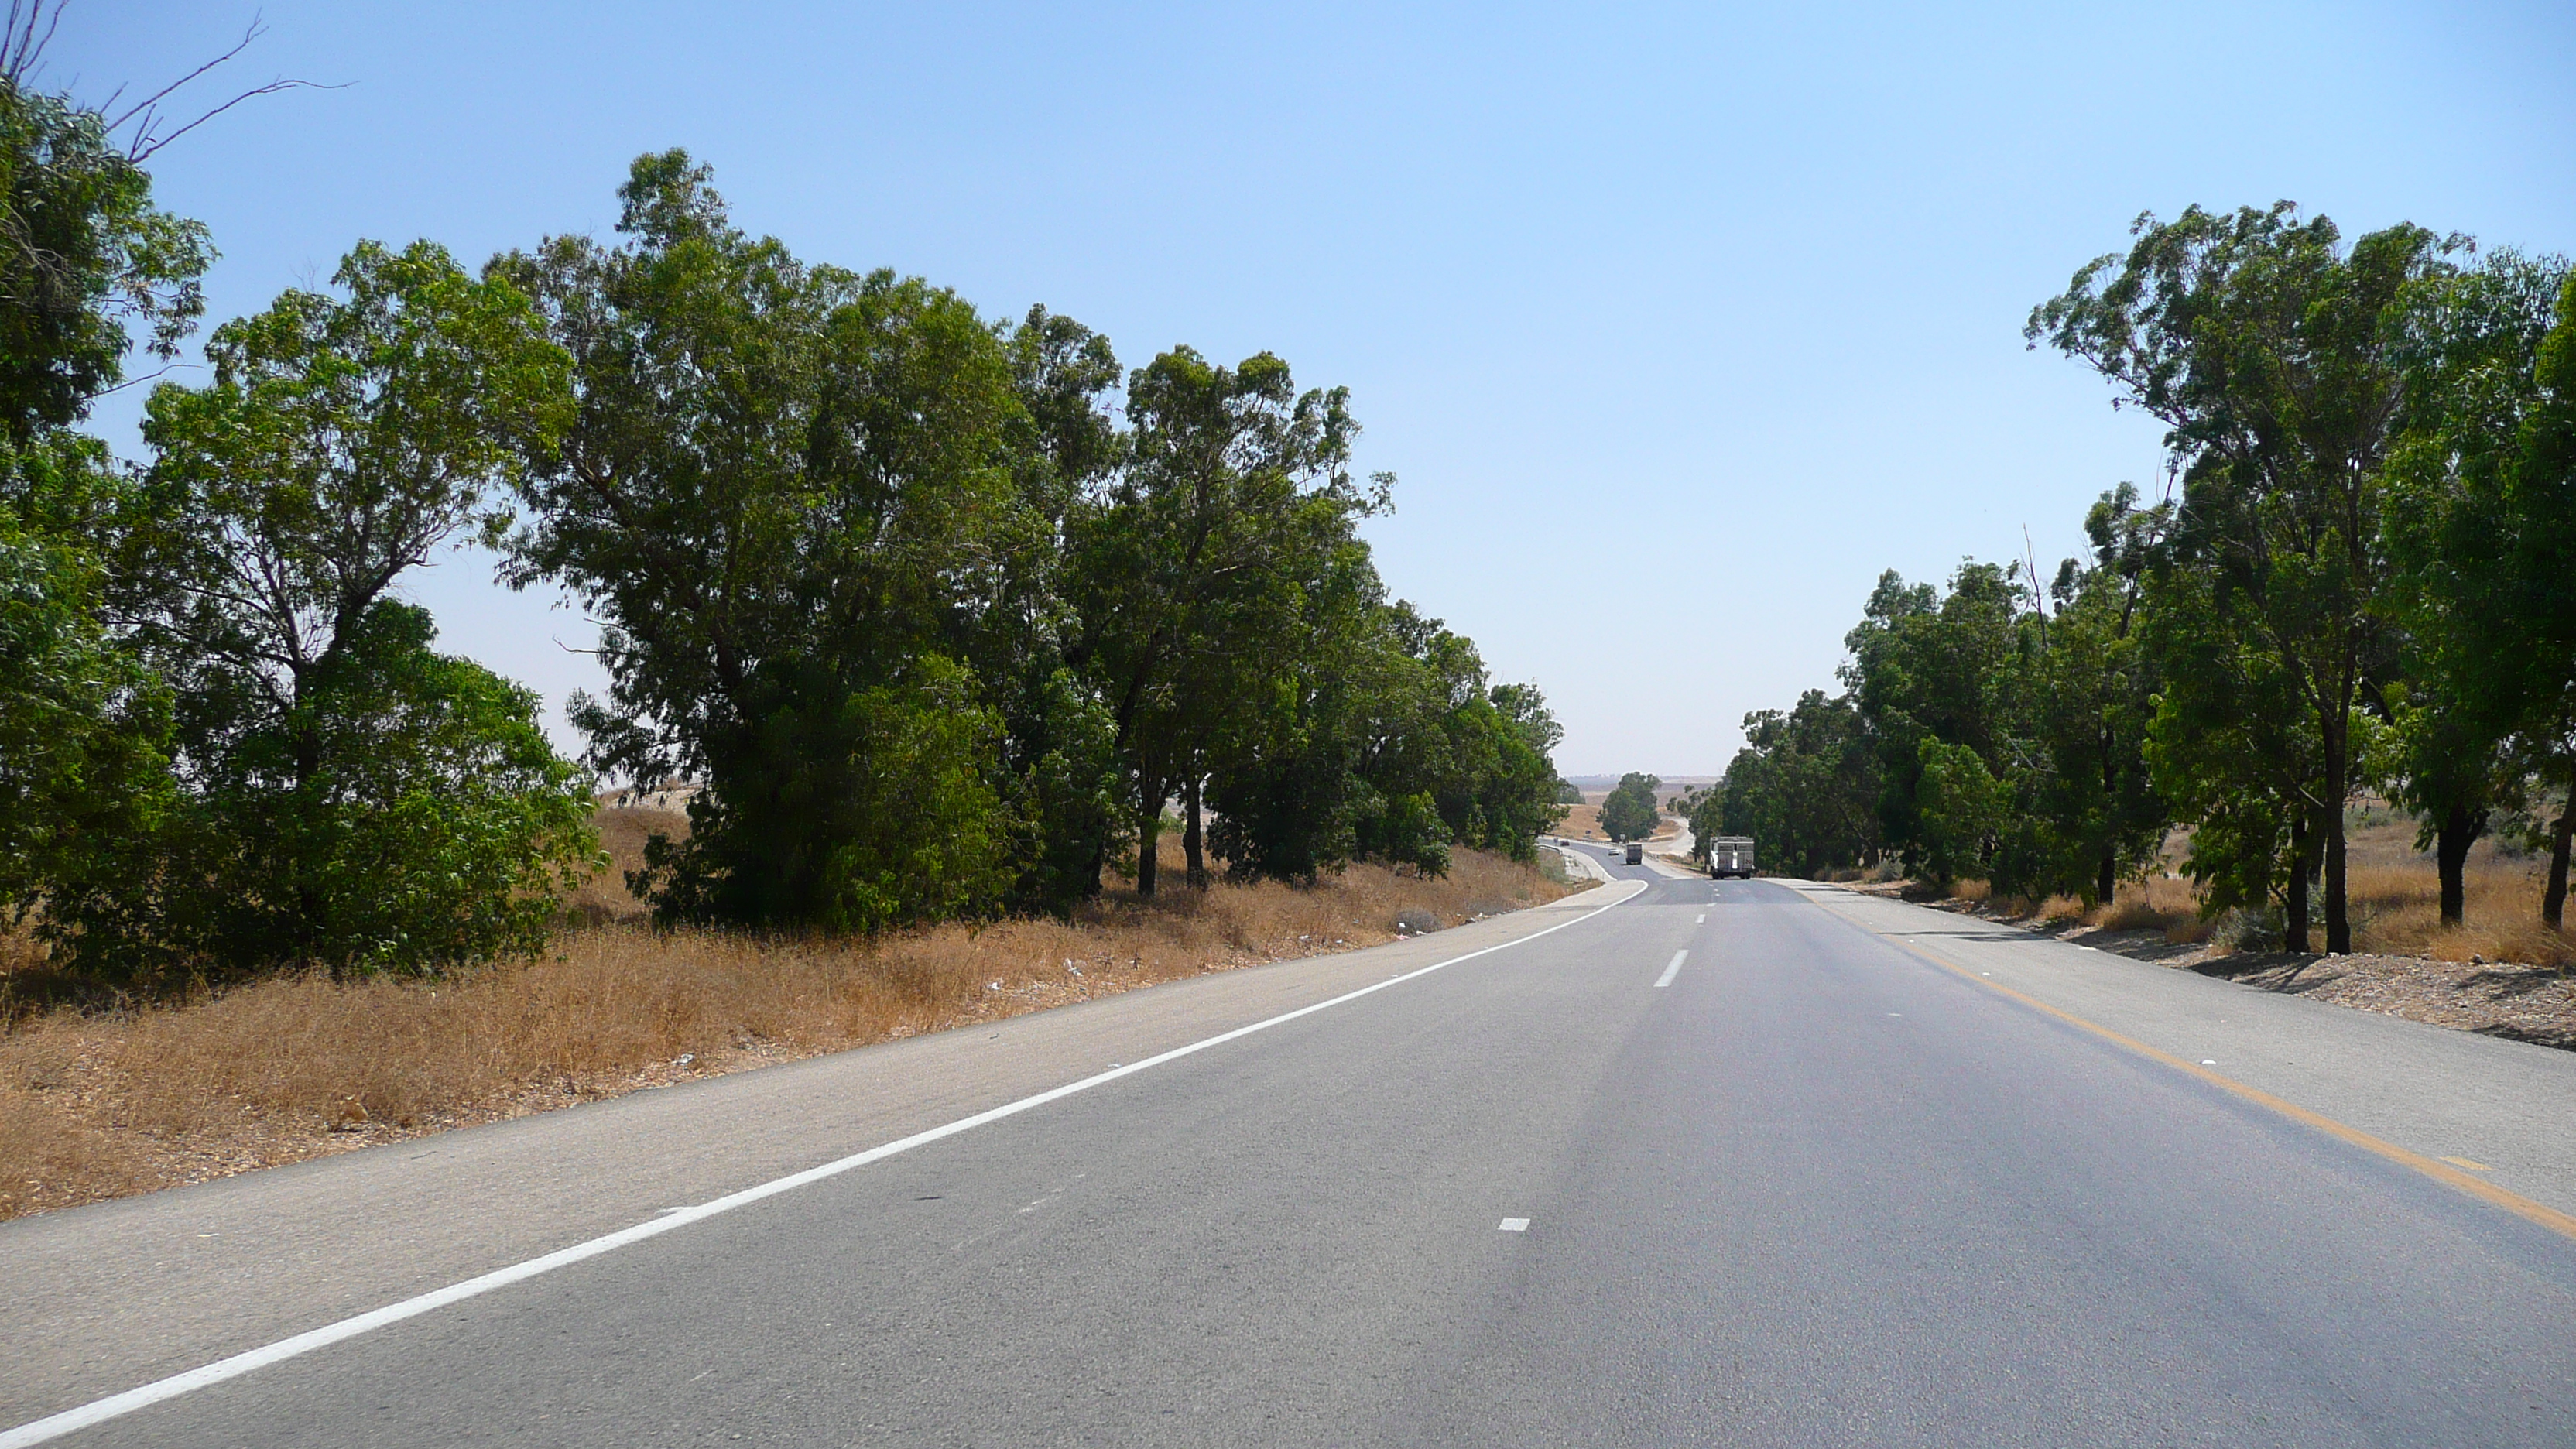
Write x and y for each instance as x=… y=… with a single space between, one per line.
x=2395 y=899
x=623 y=830
x=95 y=1105
x=2398 y=911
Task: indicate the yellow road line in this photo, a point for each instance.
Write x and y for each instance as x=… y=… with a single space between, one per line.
x=2437 y=1169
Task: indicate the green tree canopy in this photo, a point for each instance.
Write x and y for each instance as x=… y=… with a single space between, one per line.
x=85 y=254
x=799 y=499
x=2266 y=348
x=1629 y=811
x=1205 y=567
x=2482 y=525
x=350 y=799
x=1805 y=787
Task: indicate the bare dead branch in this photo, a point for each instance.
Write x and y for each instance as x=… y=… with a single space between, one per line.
x=249 y=34
x=145 y=142
x=30 y=28
x=153 y=376
x=21 y=46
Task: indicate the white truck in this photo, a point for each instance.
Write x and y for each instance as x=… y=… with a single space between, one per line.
x=1730 y=855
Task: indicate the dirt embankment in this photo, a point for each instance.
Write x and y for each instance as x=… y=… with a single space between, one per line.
x=102 y=1104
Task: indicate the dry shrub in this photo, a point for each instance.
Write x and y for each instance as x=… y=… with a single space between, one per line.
x=93 y=1105
x=2169 y=905
x=2064 y=911
x=2190 y=931
x=22 y=964
x=2158 y=904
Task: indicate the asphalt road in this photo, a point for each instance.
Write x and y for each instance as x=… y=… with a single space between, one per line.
x=1721 y=1164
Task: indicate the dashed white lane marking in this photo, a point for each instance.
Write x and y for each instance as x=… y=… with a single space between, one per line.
x=1672 y=970
x=99 y=1411
x=1514 y=1225
x=1703 y=919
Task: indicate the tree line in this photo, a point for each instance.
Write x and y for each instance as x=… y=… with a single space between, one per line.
x=943 y=612
x=2361 y=574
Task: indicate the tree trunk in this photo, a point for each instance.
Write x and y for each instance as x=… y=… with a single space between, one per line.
x=2451 y=841
x=1194 y=839
x=2107 y=876
x=2338 y=913
x=2294 y=937
x=308 y=901
x=1149 y=825
x=2553 y=902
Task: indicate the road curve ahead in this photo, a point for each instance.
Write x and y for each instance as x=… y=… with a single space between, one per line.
x=1713 y=1166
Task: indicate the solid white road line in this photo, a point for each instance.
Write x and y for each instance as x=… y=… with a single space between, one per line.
x=99 y=1411
x=1670 y=971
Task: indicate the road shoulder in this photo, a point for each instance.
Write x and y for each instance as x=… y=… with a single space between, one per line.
x=2493 y=1107
x=118 y=1293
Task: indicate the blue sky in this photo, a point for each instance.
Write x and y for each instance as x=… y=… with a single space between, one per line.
x=1677 y=324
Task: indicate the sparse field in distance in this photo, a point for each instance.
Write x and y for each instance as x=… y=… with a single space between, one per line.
x=97 y=1104
x=1583 y=822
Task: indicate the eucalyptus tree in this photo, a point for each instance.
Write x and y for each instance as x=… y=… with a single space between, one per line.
x=2092 y=689
x=1507 y=796
x=2232 y=750
x=1291 y=789
x=1447 y=757
x=1061 y=780
x=1195 y=567
x=1628 y=812
x=1805 y=786
x=86 y=255
x=2543 y=508
x=87 y=259
x=2483 y=525
x=1382 y=740
x=1940 y=681
x=2264 y=345
x=810 y=508
x=84 y=724
x=350 y=798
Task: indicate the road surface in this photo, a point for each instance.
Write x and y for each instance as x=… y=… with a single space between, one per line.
x=1722 y=1163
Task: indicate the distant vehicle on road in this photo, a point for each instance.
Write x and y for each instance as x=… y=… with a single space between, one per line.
x=1730 y=855
x=1636 y=853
